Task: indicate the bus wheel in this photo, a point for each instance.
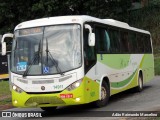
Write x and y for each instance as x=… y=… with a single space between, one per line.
x=139 y=88
x=48 y=109
x=105 y=94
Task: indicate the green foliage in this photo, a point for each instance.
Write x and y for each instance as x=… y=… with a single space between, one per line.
x=155 y=2
x=16 y=11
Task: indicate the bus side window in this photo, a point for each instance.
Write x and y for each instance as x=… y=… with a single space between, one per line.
x=103 y=40
x=124 y=43
x=140 y=41
x=114 y=41
x=147 y=44
x=132 y=41
x=107 y=40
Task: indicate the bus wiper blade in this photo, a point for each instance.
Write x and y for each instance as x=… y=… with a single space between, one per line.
x=53 y=60
x=36 y=57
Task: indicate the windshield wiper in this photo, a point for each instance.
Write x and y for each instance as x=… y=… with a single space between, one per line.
x=36 y=57
x=52 y=59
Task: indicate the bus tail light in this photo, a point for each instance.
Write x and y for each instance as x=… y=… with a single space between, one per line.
x=74 y=85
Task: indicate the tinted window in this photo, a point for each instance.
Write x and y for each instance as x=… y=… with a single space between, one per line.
x=147 y=44
x=124 y=43
x=103 y=39
x=114 y=39
x=140 y=41
x=133 y=42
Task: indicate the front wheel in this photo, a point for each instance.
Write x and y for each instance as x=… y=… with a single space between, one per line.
x=48 y=109
x=105 y=94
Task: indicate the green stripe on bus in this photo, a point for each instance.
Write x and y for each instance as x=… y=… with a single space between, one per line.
x=122 y=83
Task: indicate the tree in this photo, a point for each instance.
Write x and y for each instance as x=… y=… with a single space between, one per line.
x=16 y=11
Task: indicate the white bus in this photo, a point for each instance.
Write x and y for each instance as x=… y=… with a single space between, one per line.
x=70 y=60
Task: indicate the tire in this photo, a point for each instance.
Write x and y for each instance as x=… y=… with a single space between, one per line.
x=105 y=94
x=48 y=109
x=139 y=88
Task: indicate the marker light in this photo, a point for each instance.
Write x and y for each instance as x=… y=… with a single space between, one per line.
x=17 y=89
x=77 y=84
x=15 y=101
x=14 y=87
x=74 y=85
x=78 y=99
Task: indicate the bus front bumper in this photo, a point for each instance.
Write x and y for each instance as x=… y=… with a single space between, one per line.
x=87 y=92
x=46 y=100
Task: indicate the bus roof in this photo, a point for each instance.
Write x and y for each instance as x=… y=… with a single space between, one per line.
x=75 y=19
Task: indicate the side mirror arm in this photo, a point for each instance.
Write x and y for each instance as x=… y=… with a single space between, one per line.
x=4 y=43
x=89 y=28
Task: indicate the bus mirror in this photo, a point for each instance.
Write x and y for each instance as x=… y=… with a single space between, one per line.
x=91 y=36
x=10 y=35
x=91 y=39
x=3 y=48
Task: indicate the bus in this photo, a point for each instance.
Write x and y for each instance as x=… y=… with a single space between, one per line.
x=3 y=59
x=71 y=60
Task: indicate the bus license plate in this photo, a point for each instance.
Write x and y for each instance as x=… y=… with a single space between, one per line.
x=63 y=96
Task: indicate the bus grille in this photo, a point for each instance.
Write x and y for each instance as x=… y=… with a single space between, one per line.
x=35 y=101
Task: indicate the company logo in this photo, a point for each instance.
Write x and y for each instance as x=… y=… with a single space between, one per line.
x=6 y=114
x=42 y=88
x=20 y=114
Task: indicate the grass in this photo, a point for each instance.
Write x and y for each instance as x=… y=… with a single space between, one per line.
x=5 y=101
x=4 y=88
x=157 y=65
x=5 y=94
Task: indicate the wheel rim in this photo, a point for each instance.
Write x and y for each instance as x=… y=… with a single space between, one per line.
x=103 y=93
x=140 y=83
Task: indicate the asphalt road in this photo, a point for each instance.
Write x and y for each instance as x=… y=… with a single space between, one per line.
x=147 y=100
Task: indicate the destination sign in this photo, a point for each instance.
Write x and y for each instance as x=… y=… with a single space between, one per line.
x=30 y=31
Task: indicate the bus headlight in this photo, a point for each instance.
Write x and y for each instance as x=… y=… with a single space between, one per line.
x=74 y=85
x=17 y=89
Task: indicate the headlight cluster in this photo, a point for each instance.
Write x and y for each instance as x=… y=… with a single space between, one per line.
x=74 y=85
x=17 y=89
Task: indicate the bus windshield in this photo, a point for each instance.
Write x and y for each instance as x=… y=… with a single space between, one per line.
x=46 y=50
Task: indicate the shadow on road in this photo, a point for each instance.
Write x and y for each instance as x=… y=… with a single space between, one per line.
x=88 y=110
x=126 y=94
